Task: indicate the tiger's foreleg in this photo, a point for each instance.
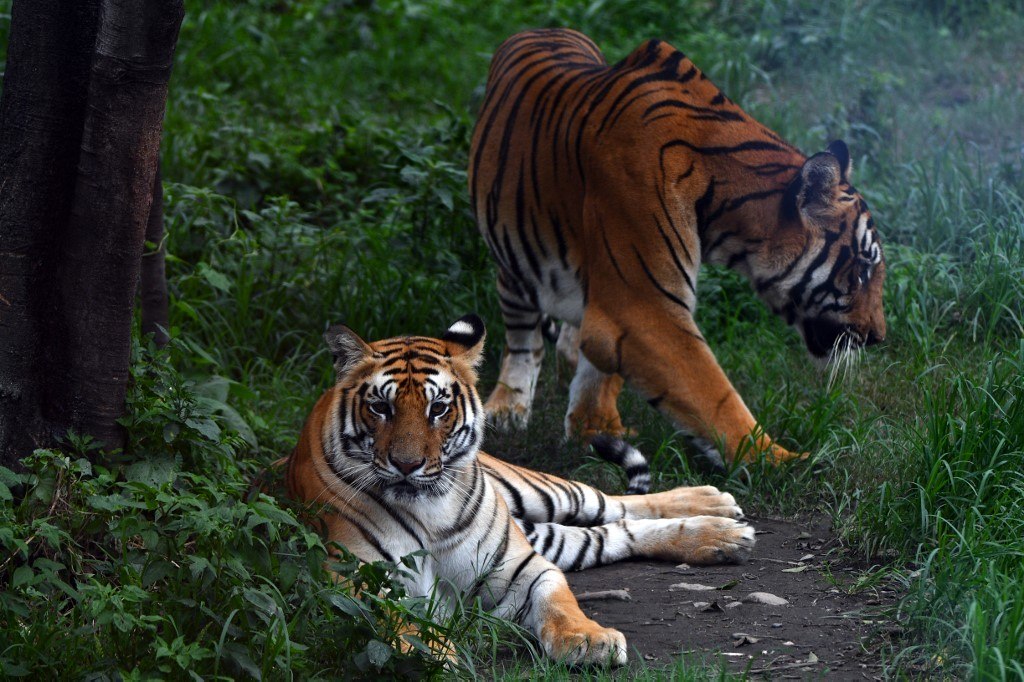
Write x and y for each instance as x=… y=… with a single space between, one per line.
x=538 y=597
x=543 y=498
x=698 y=540
x=668 y=361
x=510 y=402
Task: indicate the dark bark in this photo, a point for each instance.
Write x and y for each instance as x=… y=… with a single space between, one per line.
x=102 y=250
x=41 y=114
x=80 y=124
x=153 y=287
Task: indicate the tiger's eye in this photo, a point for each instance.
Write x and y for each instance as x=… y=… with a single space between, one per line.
x=379 y=408
x=438 y=409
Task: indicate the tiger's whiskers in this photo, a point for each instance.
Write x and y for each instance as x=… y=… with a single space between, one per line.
x=844 y=357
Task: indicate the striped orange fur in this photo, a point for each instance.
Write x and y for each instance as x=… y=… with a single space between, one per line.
x=390 y=459
x=601 y=189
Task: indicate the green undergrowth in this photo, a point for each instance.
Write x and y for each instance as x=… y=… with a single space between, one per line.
x=176 y=564
x=314 y=161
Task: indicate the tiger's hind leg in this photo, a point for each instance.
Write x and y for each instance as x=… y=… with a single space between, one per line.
x=697 y=540
x=593 y=403
x=510 y=402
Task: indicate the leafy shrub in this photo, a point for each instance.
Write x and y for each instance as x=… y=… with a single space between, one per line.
x=176 y=566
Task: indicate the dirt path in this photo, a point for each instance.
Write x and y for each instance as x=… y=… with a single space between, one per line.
x=822 y=632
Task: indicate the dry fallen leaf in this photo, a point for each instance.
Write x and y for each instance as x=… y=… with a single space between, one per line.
x=742 y=639
x=691 y=587
x=765 y=598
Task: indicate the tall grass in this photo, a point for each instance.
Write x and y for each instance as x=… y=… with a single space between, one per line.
x=958 y=513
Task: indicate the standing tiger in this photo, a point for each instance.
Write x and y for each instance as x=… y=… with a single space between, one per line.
x=601 y=189
x=391 y=454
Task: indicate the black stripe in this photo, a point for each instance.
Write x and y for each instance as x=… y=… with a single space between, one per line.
x=369 y=537
x=522 y=565
x=668 y=294
x=581 y=555
x=517 y=499
x=712 y=114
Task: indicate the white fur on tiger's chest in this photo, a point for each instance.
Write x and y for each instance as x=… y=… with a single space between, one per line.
x=454 y=559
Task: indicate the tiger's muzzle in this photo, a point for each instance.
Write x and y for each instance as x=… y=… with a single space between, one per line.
x=825 y=337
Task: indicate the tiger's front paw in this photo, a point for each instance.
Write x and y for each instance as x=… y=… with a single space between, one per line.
x=777 y=455
x=704 y=500
x=704 y=540
x=586 y=643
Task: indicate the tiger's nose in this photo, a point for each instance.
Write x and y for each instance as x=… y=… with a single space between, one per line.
x=406 y=466
x=873 y=338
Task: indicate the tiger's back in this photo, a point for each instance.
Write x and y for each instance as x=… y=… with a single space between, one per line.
x=601 y=189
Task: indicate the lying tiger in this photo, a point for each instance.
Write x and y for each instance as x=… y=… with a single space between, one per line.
x=600 y=190
x=393 y=451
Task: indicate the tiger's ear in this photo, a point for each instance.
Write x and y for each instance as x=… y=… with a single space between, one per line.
x=346 y=347
x=816 y=184
x=838 y=149
x=465 y=339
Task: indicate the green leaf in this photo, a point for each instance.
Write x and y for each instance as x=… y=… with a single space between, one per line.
x=238 y=654
x=156 y=571
x=215 y=388
x=9 y=478
x=187 y=309
x=22 y=576
x=171 y=431
x=349 y=605
x=232 y=419
x=445 y=195
x=156 y=471
x=214 y=278
x=378 y=653
x=206 y=427
x=11 y=669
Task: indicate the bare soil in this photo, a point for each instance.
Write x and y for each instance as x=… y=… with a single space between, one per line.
x=826 y=631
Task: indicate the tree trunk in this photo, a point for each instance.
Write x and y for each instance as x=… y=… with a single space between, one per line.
x=80 y=122
x=153 y=287
x=41 y=114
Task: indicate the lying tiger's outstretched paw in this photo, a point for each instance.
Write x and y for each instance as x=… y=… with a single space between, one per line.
x=704 y=500
x=703 y=540
x=585 y=642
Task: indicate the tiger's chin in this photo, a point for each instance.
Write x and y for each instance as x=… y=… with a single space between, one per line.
x=403 y=490
x=829 y=341
x=408 y=491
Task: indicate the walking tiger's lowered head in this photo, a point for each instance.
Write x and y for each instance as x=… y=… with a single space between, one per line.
x=601 y=189
x=390 y=457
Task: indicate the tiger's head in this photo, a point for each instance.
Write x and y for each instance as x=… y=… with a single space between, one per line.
x=827 y=266
x=408 y=415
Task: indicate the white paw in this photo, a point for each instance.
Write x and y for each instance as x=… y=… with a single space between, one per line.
x=705 y=500
x=716 y=540
x=595 y=645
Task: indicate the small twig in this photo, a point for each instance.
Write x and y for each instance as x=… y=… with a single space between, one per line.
x=784 y=666
x=606 y=595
